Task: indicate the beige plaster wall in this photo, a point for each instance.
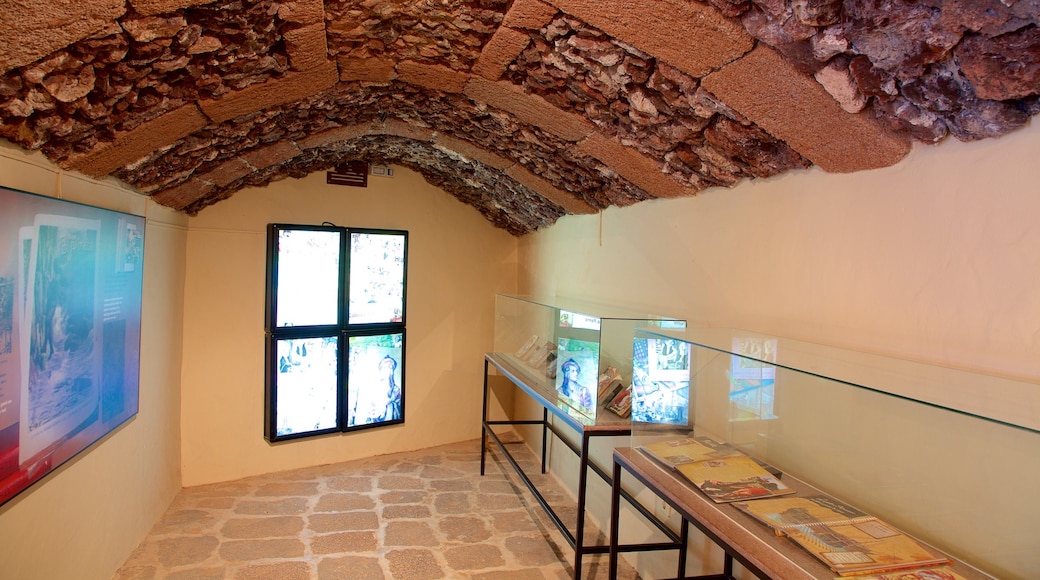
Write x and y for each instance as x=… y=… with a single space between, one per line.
x=935 y=259
x=457 y=262
x=83 y=520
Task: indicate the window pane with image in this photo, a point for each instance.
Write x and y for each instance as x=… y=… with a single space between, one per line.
x=377 y=263
x=306 y=385
x=375 y=379
x=308 y=277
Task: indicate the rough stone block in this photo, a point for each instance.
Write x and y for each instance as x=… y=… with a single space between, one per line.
x=286 y=506
x=567 y=201
x=184 y=194
x=344 y=502
x=287 y=489
x=503 y=48
x=353 y=567
x=411 y=511
x=401 y=129
x=138 y=142
x=267 y=527
x=153 y=7
x=179 y=551
x=1006 y=67
x=471 y=151
x=474 y=557
x=372 y=70
x=339 y=134
x=528 y=108
x=633 y=166
x=709 y=39
x=837 y=80
x=307 y=47
x=302 y=11
x=436 y=77
x=271 y=155
x=530 y=550
x=292 y=87
x=344 y=542
x=247 y=550
x=32 y=30
x=414 y=565
x=343 y=522
x=400 y=481
x=291 y=570
x=532 y=14
x=794 y=108
x=228 y=172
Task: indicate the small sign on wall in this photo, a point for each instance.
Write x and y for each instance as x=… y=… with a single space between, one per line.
x=352 y=173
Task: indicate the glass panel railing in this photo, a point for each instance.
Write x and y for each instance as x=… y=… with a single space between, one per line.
x=948 y=456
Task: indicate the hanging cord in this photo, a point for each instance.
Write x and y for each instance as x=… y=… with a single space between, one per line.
x=57 y=185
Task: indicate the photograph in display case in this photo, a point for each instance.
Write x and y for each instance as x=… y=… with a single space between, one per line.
x=849 y=541
x=752 y=378
x=526 y=347
x=577 y=373
x=660 y=380
x=719 y=470
x=929 y=573
x=610 y=384
x=579 y=321
x=621 y=404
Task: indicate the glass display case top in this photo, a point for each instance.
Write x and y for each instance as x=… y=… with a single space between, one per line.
x=576 y=354
x=1006 y=400
x=945 y=455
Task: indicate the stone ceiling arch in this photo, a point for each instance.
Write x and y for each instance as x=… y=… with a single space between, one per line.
x=527 y=110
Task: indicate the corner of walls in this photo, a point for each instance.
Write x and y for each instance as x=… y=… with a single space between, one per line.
x=933 y=259
x=457 y=262
x=84 y=520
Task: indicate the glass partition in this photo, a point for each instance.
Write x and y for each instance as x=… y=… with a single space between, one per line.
x=947 y=456
x=577 y=354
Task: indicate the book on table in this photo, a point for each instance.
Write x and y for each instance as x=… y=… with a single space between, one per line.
x=719 y=470
x=678 y=451
x=849 y=541
x=930 y=573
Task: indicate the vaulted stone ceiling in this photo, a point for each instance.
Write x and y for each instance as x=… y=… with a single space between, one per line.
x=525 y=109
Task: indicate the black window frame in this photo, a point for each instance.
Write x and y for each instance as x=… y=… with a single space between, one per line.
x=342 y=330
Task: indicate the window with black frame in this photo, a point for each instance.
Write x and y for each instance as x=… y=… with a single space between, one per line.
x=335 y=327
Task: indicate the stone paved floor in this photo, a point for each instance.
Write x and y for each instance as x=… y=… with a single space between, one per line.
x=421 y=515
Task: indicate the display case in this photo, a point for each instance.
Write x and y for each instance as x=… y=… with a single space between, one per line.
x=573 y=359
x=563 y=347
x=949 y=458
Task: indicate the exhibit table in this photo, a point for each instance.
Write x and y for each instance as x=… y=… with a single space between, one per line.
x=604 y=425
x=749 y=542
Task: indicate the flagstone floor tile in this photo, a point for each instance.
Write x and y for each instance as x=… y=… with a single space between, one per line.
x=422 y=515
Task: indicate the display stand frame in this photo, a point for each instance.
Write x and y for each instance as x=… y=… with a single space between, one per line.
x=755 y=546
x=605 y=426
x=916 y=445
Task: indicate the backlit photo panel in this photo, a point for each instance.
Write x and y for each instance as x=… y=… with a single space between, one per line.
x=661 y=380
x=335 y=329
x=307 y=385
x=375 y=379
x=377 y=277
x=308 y=277
x=70 y=330
x=63 y=379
